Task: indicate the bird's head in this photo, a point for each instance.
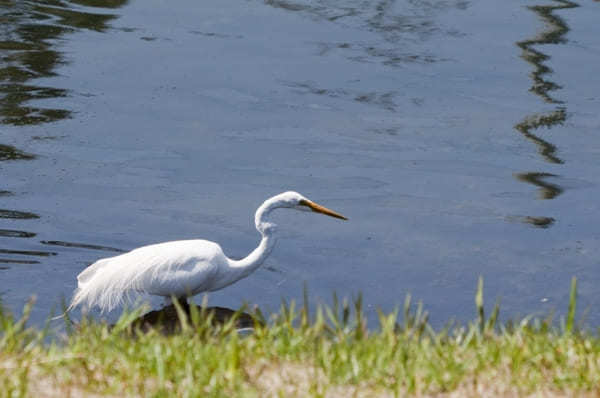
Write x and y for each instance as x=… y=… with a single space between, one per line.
x=290 y=200
x=297 y=201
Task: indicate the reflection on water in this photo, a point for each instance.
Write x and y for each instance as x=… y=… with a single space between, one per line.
x=384 y=100
x=539 y=222
x=547 y=190
x=534 y=122
x=15 y=261
x=8 y=152
x=397 y=26
x=554 y=34
x=81 y=246
x=29 y=32
x=10 y=233
x=15 y=256
x=41 y=253
x=17 y=215
x=555 y=28
x=28 y=252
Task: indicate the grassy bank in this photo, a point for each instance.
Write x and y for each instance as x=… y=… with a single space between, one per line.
x=333 y=354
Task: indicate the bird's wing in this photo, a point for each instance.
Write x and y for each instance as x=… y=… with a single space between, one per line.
x=173 y=268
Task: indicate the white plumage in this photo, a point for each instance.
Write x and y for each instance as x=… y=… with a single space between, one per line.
x=180 y=268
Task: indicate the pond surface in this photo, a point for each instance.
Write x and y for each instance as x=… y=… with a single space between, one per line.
x=460 y=138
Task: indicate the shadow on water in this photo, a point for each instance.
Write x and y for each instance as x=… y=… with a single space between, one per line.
x=29 y=32
x=554 y=33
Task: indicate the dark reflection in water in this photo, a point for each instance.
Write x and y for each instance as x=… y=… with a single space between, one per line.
x=384 y=100
x=28 y=252
x=399 y=24
x=28 y=31
x=538 y=222
x=547 y=190
x=41 y=253
x=11 y=233
x=541 y=222
x=17 y=215
x=81 y=246
x=397 y=27
x=8 y=152
x=553 y=33
x=14 y=261
x=534 y=122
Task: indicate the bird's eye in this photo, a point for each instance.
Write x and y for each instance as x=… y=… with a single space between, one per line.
x=303 y=202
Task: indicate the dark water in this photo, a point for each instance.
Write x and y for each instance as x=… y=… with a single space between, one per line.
x=459 y=137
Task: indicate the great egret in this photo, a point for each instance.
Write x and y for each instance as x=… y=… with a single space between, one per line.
x=181 y=268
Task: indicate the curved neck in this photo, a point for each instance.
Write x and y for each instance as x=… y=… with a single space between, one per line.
x=255 y=259
x=260 y=217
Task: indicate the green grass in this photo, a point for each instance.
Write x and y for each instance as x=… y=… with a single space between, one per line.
x=329 y=354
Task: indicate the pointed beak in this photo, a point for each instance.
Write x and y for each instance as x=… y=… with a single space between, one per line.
x=321 y=209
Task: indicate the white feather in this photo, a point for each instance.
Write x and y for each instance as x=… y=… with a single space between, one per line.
x=179 y=268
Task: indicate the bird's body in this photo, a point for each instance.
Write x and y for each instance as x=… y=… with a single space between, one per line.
x=180 y=268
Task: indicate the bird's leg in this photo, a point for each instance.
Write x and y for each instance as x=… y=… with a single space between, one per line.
x=182 y=301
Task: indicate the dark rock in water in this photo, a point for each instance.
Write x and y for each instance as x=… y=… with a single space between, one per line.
x=167 y=321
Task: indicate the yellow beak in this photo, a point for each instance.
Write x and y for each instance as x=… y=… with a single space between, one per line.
x=321 y=209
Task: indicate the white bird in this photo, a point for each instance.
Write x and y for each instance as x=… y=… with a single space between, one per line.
x=181 y=268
